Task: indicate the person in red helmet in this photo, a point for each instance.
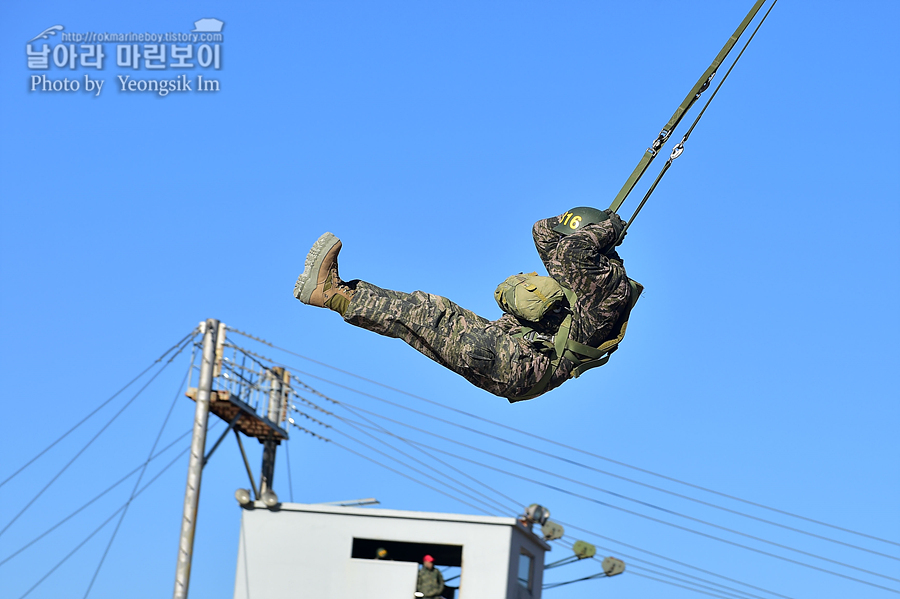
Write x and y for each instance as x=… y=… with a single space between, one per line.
x=429 y=582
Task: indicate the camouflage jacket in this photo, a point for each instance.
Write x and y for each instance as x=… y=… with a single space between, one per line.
x=579 y=262
x=430 y=582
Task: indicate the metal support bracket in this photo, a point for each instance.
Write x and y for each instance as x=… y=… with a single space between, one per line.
x=225 y=432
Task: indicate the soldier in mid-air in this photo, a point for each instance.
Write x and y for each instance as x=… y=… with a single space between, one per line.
x=555 y=327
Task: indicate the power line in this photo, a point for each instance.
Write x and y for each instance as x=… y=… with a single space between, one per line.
x=105 y=522
x=623 y=464
x=591 y=499
x=94 y=438
x=405 y=440
x=598 y=535
x=632 y=558
x=623 y=509
x=535 y=436
x=532 y=467
x=669 y=582
x=416 y=470
x=502 y=507
x=440 y=461
x=404 y=475
x=674 y=561
x=695 y=585
x=736 y=593
x=553 y=585
x=418 y=461
x=696 y=532
x=97 y=409
x=100 y=495
x=138 y=482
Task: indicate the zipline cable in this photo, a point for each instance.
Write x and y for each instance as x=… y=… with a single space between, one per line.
x=563 y=562
x=94 y=438
x=86 y=418
x=526 y=433
x=140 y=478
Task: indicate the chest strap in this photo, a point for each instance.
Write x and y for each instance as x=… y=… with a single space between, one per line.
x=585 y=357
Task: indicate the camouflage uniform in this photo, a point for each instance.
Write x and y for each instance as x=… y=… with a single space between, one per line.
x=485 y=352
x=430 y=582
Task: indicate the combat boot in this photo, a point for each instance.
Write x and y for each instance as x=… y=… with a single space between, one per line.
x=320 y=284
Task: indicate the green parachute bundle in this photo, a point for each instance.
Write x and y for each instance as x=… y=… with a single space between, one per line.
x=529 y=296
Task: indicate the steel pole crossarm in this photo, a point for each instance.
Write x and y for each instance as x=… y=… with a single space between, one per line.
x=692 y=96
x=195 y=465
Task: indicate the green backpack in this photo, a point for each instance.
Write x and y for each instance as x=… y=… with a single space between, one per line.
x=529 y=296
x=584 y=356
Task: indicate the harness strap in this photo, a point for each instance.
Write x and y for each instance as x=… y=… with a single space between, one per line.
x=679 y=147
x=584 y=356
x=685 y=105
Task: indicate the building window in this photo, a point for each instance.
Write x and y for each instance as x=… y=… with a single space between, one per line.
x=526 y=570
x=400 y=551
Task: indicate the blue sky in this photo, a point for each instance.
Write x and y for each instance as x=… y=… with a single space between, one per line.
x=760 y=363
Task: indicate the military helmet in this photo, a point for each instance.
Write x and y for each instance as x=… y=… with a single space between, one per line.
x=576 y=218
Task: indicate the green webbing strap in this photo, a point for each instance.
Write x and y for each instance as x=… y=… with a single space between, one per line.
x=561 y=340
x=576 y=352
x=679 y=147
x=559 y=347
x=574 y=347
x=581 y=368
x=692 y=97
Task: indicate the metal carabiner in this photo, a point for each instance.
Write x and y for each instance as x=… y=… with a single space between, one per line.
x=705 y=86
x=659 y=142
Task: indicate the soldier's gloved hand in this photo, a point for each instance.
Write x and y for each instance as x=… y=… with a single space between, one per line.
x=617 y=222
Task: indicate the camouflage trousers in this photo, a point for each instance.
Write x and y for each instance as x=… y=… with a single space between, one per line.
x=469 y=345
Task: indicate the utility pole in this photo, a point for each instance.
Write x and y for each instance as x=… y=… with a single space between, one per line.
x=195 y=466
x=276 y=400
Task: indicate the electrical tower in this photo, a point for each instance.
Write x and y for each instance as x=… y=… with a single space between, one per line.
x=234 y=393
